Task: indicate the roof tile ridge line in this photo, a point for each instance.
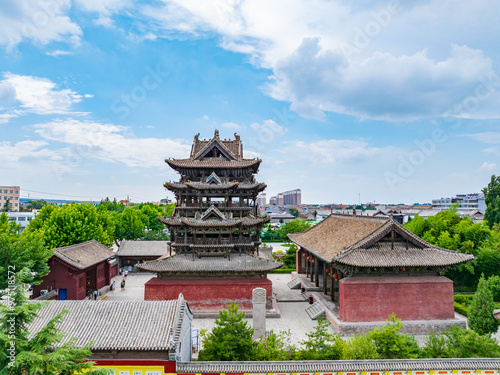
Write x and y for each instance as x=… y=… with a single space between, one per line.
x=349 y=216
x=74 y=245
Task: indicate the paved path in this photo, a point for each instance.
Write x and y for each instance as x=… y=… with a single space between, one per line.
x=134 y=287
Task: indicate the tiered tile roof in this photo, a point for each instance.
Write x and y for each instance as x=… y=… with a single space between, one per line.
x=84 y=255
x=179 y=221
x=355 y=241
x=185 y=263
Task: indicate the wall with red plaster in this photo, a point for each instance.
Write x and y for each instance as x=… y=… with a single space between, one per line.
x=411 y=298
x=208 y=294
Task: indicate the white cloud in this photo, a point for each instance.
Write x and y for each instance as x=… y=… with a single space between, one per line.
x=59 y=53
x=39 y=95
x=486 y=137
x=13 y=154
x=334 y=151
x=40 y=21
x=487 y=167
x=104 y=9
x=231 y=125
x=112 y=143
x=369 y=61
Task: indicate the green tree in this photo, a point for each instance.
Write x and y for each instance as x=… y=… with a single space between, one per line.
x=108 y=205
x=129 y=224
x=466 y=343
x=480 y=318
x=73 y=223
x=274 y=347
x=230 y=339
x=290 y=258
x=360 y=347
x=7 y=206
x=320 y=344
x=294 y=226
x=19 y=251
x=294 y=212
x=151 y=213
x=492 y=200
x=37 y=204
x=391 y=344
x=41 y=352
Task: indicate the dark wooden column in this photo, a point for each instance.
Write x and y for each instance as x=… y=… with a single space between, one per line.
x=332 y=284
x=316 y=272
x=325 y=278
x=311 y=264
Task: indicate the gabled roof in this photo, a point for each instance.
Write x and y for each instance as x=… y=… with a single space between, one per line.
x=214 y=144
x=213 y=178
x=189 y=263
x=356 y=241
x=84 y=255
x=117 y=325
x=211 y=212
x=143 y=248
x=233 y=146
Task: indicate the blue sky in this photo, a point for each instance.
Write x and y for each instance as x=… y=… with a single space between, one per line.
x=390 y=101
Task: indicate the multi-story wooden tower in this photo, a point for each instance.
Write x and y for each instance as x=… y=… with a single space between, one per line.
x=214 y=230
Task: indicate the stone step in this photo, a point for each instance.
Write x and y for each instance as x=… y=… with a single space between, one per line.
x=315 y=310
x=294 y=283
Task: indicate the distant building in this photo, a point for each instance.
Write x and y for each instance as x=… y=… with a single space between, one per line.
x=10 y=193
x=290 y=198
x=21 y=218
x=474 y=201
x=261 y=199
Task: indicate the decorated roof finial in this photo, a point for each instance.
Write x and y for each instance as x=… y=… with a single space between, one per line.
x=236 y=136
x=197 y=138
x=354 y=211
x=216 y=133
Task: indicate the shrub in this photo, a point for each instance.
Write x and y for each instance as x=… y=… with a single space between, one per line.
x=461 y=309
x=480 y=317
x=392 y=345
x=360 y=347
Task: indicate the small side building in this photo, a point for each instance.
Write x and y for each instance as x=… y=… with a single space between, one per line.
x=133 y=252
x=76 y=270
x=373 y=266
x=125 y=333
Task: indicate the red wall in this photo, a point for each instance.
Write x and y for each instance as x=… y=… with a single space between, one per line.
x=208 y=294
x=411 y=298
x=60 y=277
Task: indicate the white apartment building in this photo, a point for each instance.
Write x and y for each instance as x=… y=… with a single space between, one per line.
x=21 y=218
x=10 y=193
x=474 y=201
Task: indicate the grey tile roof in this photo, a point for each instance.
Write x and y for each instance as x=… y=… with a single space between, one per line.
x=213 y=163
x=354 y=240
x=246 y=221
x=190 y=263
x=384 y=255
x=339 y=366
x=84 y=255
x=116 y=325
x=143 y=248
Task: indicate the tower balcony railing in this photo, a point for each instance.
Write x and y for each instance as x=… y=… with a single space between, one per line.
x=219 y=205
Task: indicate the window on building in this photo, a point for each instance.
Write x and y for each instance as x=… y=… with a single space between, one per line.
x=21 y=218
x=15 y=204
x=11 y=191
x=5 y=191
x=17 y=198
